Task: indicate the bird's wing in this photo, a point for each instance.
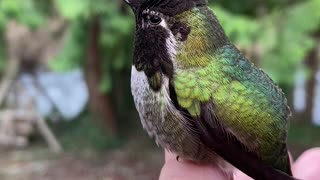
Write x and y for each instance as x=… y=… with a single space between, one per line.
x=215 y=136
x=236 y=98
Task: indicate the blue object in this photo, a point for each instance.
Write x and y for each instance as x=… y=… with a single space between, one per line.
x=67 y=92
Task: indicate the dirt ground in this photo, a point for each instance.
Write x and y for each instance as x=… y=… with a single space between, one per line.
x=37 y=163
x=138 y=159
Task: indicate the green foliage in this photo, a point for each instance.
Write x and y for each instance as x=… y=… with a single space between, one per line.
x=115 y=41
x=241 y=29
x=73 y=9
x=284 y=31
x=252 y=7
x=24 y=11
x=285 y=36
x=289 y=39
x=73 y=53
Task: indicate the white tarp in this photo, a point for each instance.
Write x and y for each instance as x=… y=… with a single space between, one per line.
x=316 y=102
x=299 y=96
x=67 y=92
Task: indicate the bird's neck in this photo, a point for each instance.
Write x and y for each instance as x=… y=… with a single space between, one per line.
x=205 y=39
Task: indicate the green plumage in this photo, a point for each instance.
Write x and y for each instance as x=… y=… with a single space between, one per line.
x=247 y=102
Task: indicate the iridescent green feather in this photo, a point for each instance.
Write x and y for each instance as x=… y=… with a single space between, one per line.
x=247 y=101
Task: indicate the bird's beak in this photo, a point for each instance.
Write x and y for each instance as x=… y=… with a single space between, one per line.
x=127 y=2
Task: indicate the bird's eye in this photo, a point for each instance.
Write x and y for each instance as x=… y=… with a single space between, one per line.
x=155 y=20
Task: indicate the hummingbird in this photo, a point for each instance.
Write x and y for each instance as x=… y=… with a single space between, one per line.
x=198 y=96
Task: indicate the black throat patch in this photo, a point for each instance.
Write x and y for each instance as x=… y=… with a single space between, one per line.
x=151 y=55
x=150 y=48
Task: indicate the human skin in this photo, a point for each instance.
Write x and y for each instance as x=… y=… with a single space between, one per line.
x=306 y=167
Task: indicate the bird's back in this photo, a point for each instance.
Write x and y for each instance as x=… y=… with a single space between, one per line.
x=246 y=101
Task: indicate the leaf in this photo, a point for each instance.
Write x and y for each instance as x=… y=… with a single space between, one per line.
x=72 y=54
x=73 y=9
x=106 y=84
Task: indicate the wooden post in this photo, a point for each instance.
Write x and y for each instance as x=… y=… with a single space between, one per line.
x=47 y=134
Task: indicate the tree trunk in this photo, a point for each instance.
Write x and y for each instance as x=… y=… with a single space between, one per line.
x=312 y=64
x=14 y=33
x=100 y=102
x=316 y=103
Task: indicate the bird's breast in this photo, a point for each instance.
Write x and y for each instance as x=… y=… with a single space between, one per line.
x=157 y=114
x=150 y=104
x=165 y=123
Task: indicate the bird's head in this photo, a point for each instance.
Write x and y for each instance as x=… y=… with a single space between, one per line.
x=172 y=33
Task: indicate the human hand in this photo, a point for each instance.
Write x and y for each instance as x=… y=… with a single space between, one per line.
x=306 y=167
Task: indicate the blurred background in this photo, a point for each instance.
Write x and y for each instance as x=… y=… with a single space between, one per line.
x=66 y=108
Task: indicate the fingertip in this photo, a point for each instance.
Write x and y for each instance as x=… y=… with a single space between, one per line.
x=186 y=170
x=239 y=175
x=311 y=156
x=174 y=170
x=307 y=165
x=168 y=156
